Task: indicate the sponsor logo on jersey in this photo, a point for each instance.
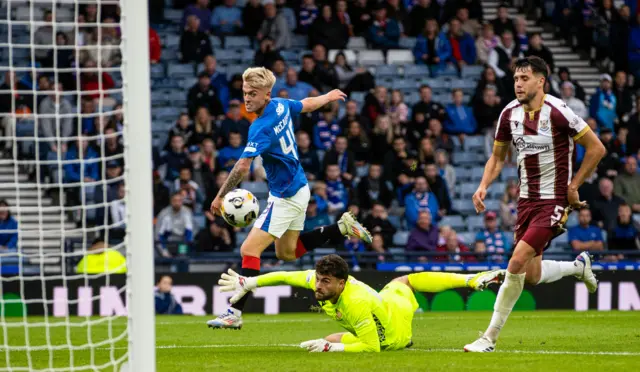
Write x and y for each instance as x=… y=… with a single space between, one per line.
x=522 y=145
x=280 y=109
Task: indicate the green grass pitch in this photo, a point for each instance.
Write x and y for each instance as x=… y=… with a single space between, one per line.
x=531 y=341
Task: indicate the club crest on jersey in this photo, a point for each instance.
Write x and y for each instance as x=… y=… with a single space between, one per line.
x=544 y=125
x=280 y=109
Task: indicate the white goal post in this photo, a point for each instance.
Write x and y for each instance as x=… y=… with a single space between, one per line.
x=75 y=187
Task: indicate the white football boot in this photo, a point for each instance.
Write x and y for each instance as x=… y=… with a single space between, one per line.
x=587 y=276
x=481 y=345
x=232 y=319
x=482 y=280
x=350 y=226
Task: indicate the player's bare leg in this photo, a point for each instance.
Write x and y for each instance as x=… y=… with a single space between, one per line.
x=541 y=271
x=257 y=241
x=286 y=245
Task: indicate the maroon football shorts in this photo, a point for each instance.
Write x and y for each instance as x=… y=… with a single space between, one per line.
x=539 y=222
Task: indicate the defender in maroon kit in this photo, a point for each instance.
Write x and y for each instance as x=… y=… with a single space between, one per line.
x=544 y=132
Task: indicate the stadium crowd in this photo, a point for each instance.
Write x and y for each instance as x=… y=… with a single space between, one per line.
x=404 y=158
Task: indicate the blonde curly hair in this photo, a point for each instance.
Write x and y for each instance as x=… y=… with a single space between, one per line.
x=259 y=78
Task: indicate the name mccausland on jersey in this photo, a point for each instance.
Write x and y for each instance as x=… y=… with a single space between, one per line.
x=282 y=124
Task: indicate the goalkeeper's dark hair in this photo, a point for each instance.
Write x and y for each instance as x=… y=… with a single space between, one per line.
x=538 y=66
x=333 y=265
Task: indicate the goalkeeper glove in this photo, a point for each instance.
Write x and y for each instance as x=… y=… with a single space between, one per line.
x=233 y=282
x=322 y=346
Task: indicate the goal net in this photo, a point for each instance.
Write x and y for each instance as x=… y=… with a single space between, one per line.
x=75 y=186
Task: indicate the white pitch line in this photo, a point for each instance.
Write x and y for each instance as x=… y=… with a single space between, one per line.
x=434 y=350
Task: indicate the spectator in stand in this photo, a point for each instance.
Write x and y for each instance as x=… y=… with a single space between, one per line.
x=343 y=15
x=229 y=155
x=603 y=104
x=113 y=148
x=275 y=27
x=214 y=239
x=381 y=138
x=627 y=184
x=608 y=166
x=297 y=90
x=585 y=236
x=564 y=75
x=538 y=49
x=426 y=153
x=492 y=241
x=308 y=73
x=234 y=122
x=359 y=144
x=620 y=32
x=64 y=58
x=55 y=121
x=175 y=158
x=522 y=36
x=424 y=237
x=279 y=70
x=201 y=174
x=341 y=156
x=155 y=46
x=161 y=195
x=108 y=191
x=192 y=195
x=502 y=22
x=488 y=110
x=313 y=218
x=183 y=128
x=82 y=166
x=328 y=31
x=221 y=178
x=453 y=247
x=308 y=158
x=203 y=128
x=489 y=79
x=568 y=96
x=343 y=70
x=324 y=68
x=397 y=109
x=325 y=131
x=202 y=94
x=201 y=11
x=252 y=17
x=432 y=47
x=446 y=170
x=394 y=159
x=218 y=80
x=352 y=114
x=377 y=222
x=288 y=13
x=460 y=119
x=337 y=192
x=43 y=37
x=485 y=43
x=624 y=235
x=361 y=18
x=502 y=56
x=384 y=32
x=194 y=44
x=468 y=25
x=427 y=106
x=420 y=199
x=439 y=188
x=463 y=48
x=166 y=303
x=564 y=18
x=226 y=19
x=266 y=56
x=321 y=196
x=396 y=11
x=9 y=227
x=508 y=205
x=624 y=97
x=378 y=246
x=421 y=11
x=94 y=86
x=373 y=189
x=375 y=103
x=307 y=15
x=605 y=206
x=175 y=224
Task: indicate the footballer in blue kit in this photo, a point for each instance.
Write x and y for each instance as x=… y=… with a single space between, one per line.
x=272 y=137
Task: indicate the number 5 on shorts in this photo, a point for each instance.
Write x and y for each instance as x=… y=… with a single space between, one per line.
x=558 y=214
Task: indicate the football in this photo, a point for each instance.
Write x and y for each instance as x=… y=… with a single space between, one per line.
x=240 y=208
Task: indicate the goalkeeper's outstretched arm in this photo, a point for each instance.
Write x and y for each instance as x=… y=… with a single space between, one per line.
x=232 y=282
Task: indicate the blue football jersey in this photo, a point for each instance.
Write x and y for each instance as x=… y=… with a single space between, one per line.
x=271 y=136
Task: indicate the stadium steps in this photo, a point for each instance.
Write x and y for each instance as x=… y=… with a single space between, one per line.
x=581 y=69
x=41 y=223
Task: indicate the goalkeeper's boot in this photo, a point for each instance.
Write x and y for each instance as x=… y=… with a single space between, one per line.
x=482 y=280
x=584 y=260
x=350 y=226
x=232 y=319
x=481 y=345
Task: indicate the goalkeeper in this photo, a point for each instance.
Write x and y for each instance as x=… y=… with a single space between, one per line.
x=374 y=321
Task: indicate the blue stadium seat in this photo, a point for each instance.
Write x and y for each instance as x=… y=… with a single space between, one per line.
x=456 y=222
x=259 y=189
x=177 y=97
x=358 y=96
x=572 y=220
x=508 y=173
x=299 y=42
x=241 y=236
x=289 y=55
x=475 y=223
x=407 y=42
x=405 y=84
x=164 y=113
x=474 y=143
x=476 y=174
x=398 y=254
x=464 y=206
x=416 y=71
x=386 y=71
x=467 y=189
x=411 y=98
x=396 y=221
x=497 y=190
x=216 y=43
x=468 y=238
x=560 y=244
x=225 y=56
x=400 y=57
x=492 y=205
x=463 y=174
x=465 y=158
x=247 y=56
x=178 y=71
x=318 y=253
x=157 y=71
x=472 y=72
x=450 y=71
x=172 y=42
x=164 y=84
x=187 y=83
x=235 y=69
x=158 y=98
x=371 y=58
x=173 y=15
x=400 y=238
x=237 y=42
x=357 y=43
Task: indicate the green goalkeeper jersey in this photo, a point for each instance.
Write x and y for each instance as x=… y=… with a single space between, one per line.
x=362 y=311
